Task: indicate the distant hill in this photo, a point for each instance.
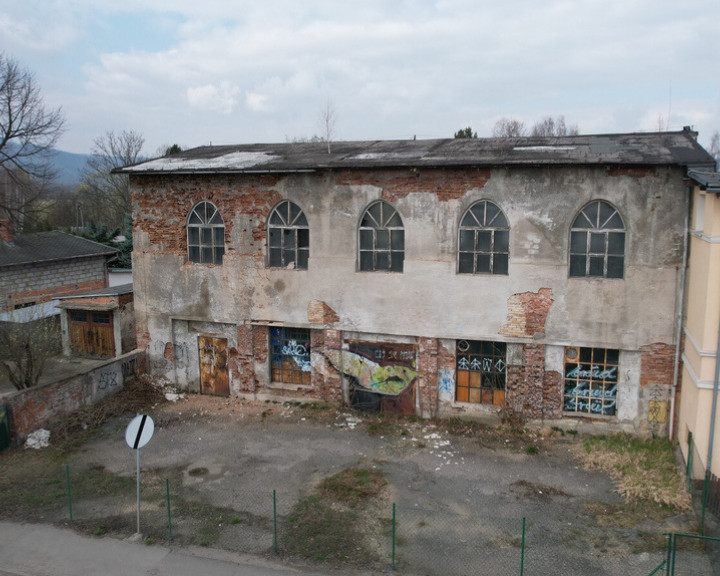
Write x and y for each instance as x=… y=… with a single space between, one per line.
x=69 y=166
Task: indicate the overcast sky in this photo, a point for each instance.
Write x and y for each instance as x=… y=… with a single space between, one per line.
x=195 y=72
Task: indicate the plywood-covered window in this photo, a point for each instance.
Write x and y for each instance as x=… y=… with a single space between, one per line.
x=591 y=380
x=480 y=371
x=290 y=355
x=205 y=234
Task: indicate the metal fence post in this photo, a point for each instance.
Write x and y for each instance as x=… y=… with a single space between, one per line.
x=688 y=472
x=522 y=549
x=67 y=480
x=393 y=537
x=167 y=492
x=275 y=521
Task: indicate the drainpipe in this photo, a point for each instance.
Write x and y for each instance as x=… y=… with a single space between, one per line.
x=679 y=325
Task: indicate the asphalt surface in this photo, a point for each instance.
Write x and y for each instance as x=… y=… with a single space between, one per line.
x=42 y=550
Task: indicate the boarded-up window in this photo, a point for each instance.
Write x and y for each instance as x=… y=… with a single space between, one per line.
x=480 y=367
x=290 y=355
x=591 y=380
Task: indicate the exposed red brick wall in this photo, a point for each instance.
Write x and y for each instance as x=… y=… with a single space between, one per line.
x=529 y=389
x=398 y=183
x=90 y=302
x=6 y=231
x=428 y=376
x=326 y=379
x=161 y=206
x=527 y=313
x=638 y=172
x=47 y=294
x=320 y=313
x=657 y=364
x=552 y=394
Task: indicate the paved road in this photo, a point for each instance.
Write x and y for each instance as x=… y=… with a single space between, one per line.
x=40 y=550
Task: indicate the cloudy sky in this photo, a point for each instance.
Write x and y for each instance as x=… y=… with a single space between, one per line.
x=194 y=72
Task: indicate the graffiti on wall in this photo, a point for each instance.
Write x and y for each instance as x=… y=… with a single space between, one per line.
x=107 y=380
x=165 y=354
x=591 y=389
x=381 y=371
x=446 y=383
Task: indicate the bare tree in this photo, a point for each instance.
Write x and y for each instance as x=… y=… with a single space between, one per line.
x=25 y=347
x=509 y=128
x=715 y=148
x=28 y=133
x=550 y=126
x=328 y=118
x=106 y=196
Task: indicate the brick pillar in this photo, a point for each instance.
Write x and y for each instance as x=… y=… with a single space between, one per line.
x=326 y=379
x=427 y=382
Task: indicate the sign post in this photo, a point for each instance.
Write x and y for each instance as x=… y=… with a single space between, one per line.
x=138 y=433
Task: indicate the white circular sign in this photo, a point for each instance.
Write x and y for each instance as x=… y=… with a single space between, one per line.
x=139 y=431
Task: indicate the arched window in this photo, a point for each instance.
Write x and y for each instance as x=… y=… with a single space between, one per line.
x=483 y=240
x=205 y=234
x=288 y=237
x=597 y=242
x=381 y=238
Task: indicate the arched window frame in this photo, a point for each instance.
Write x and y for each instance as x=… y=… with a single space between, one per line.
x=288 y=237
x=381 y=239
x=205 y=234
x=597 y=242
x=483 y=240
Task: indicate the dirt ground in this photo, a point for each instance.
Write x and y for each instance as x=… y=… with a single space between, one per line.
x=460 y=497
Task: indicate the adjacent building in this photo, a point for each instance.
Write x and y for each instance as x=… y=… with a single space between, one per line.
x=541 y=278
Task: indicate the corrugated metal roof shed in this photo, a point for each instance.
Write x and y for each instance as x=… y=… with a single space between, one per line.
x=49 y=246
x=661 y=148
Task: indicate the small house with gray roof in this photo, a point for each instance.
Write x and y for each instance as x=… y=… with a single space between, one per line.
x=533 y=278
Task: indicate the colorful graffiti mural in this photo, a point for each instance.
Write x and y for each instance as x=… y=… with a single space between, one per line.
x=374 y=377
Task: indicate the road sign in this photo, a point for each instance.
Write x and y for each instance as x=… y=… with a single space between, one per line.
x=139 y=431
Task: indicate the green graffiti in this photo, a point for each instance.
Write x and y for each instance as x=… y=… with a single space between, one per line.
x=390 y=380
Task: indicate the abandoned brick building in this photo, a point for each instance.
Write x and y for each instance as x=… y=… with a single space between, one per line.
x=439 y=277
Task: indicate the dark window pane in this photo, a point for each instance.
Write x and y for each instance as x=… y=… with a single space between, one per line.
x=478 y=211
x=397 y=239
x=502 y=240
x=578 y=242
x=500 y=221
x=78 y=316
x=585 y=354
x=101 y=318
x=615 y=222
x=577 y=266
x=467 y=240
x=302 y=262
x=303 y=238
x=596 y=266
x=275 y=258
x=216 y=219
x=275 y=219
x=275 y=236
x=591 y=213
x=597 y=243
x=219 y=251
x=483 y=263
x=616 y=243
x=206 y=235
x=366 y=240
x=375 y=211
x=615 y=267
x=195 y=218
x=468 y=220
x=613 y=356
x=396 y=261
x=484 y=239
x=382 y=261
x=288 y=238
x=194 y=254
x=382 y=239
x=294 y=211
x=465 y=264
x=301 y=220
x=490 y=214
x=366 y=261
x=500 y=264
x=288 y=257
x=193 y=235
x=394 y=221
x=206 y=255
x=606 y=211
x=219 y=236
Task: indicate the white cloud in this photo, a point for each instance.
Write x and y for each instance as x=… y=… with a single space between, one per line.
x=221 y=98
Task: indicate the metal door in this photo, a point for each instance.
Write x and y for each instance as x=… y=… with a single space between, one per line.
x=214 y=377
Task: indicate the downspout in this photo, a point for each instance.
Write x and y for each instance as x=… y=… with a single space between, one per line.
x=679 y=324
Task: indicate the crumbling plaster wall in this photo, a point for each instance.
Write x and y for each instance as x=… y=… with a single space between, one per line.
x=429 y=299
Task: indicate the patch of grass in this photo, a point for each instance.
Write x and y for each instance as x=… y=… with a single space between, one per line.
x=645 y=470
x=353 y=485
x=531 y=449
x=201 y=471
x=99 y=531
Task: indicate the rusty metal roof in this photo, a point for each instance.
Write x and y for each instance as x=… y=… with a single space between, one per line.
x=659 y=148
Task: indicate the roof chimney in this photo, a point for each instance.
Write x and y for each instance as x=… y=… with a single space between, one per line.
x=6 y=231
